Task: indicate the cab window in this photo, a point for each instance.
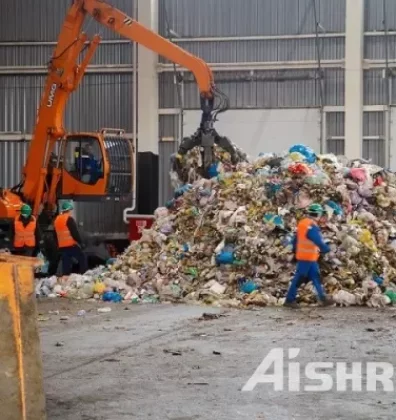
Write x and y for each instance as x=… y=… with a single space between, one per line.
x=83 y=159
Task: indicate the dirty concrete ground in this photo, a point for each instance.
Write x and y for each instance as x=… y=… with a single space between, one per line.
x=160 y=362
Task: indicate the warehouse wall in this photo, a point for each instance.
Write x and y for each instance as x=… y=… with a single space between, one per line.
x=273 y=41
x=292 y=25
x=265 y=130
x=267 y=53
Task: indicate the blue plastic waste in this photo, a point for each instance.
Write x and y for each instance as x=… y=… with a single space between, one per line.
x=307 y=152
x=272 y=188
x=112 y=297
x=225 y=257
x=378 y=279
x=170 y=204
x=213 y=170
x=45 y=264
x=273 y=219
x=336 y=207
x=182 y=190
x=247 y=286
x=287 y=241
x=111 y=261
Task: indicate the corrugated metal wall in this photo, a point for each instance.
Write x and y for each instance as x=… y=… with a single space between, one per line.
x=255 y=18
x=103 y=100
x=204 y=18
x=335 y=140
x=375 y=82
x=374 y=137
x=30 y=20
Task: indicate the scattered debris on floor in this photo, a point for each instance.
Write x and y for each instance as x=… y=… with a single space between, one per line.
x=227 y=241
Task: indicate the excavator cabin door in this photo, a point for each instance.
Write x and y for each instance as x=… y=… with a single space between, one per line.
x=97 y=166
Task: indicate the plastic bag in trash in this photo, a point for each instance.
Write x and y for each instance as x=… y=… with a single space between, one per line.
x=307 y=152
x=43 y=269
x=273 y=219
x=225 y=257
x=358 y=174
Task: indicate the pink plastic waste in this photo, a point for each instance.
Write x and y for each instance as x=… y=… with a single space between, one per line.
x=358 y=174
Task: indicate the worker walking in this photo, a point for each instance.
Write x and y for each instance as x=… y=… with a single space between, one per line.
x=308 y=244
x=69 y=240
x=25 y=233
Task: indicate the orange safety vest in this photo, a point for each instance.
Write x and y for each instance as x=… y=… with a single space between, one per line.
x=25 y=235
x=306 y=249
x=63 y=234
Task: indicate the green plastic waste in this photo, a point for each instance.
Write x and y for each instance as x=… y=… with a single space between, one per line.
x=150 y=299
x=192 y=271
x=391 y=295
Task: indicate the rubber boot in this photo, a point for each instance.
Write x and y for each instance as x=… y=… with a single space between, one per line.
x=327 y=301
x=292 y=305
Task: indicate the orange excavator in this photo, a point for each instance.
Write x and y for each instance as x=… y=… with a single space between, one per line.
x=49 y=176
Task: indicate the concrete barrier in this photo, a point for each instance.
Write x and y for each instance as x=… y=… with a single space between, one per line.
x=21 y=375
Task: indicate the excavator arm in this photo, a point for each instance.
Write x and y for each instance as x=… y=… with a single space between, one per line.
x=64 y=76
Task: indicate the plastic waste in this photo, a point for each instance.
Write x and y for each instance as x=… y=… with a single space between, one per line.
x=182 y=190
x=274 y=219
x=111 y=261
x=391 y=295
x=44 y=263
x=307 y=152
x=247 y=286
x=112 y=297
x=213 y=170
x=104 y=310
x=99 y=288
x=358 y=174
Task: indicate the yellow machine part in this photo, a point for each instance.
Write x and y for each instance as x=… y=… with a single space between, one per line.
x=21 y=375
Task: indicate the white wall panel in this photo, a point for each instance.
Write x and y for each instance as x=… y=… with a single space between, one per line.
x=393 y=140
x=265 y=130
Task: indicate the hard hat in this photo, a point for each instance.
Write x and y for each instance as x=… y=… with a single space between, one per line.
x=315 y=209
x=26 y=211
x=67 y=206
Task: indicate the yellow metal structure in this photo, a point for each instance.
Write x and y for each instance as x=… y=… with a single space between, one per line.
x=21 y=374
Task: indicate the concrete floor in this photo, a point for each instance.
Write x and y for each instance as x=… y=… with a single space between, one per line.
x=158 y=362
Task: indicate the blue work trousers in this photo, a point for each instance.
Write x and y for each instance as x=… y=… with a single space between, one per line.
x=306 y=271
x=68 y=255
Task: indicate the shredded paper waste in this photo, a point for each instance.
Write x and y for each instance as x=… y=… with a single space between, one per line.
x=227 y=241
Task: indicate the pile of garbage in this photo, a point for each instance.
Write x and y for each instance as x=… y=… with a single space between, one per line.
x=227 y=241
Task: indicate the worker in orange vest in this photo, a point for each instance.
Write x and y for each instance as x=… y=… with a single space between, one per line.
x=69 y=240
x=25 y=233
x=308 y=244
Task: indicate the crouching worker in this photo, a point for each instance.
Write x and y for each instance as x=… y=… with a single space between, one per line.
x=69 y=241
x=308 y=245
x=25 y=233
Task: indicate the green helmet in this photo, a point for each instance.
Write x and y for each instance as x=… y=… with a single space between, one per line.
x=26 y=211
x=315 y=209
x=67 y=206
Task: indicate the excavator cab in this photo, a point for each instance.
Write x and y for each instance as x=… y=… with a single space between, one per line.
x=97 y=166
